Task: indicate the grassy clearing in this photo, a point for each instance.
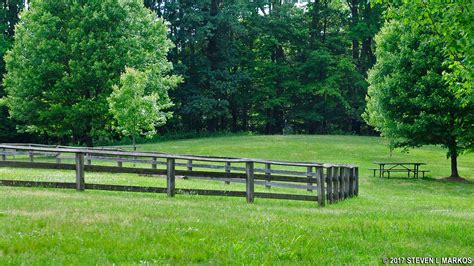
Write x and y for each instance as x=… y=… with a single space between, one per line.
x=396 y=217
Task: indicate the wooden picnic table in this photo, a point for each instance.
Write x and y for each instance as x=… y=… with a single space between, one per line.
x=409 y=167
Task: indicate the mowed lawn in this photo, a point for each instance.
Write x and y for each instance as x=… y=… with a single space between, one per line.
x=396 y=217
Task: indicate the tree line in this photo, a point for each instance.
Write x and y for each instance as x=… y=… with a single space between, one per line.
x=270 y=66
x=264 y=66
x=89 y=71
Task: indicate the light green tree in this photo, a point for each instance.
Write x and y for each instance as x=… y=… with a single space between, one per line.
x=408 y=99
x=451 y=22
x=135 y=111
x=68 y=54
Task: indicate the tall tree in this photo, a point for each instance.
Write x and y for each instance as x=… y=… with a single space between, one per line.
x=408 y=100
x=305 y=80
x=267 y=66
x=453 y=23
x=76 y=52
x=208 y=37
x=9 y=11
x=365 y=21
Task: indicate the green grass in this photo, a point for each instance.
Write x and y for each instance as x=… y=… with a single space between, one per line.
x=396 y=217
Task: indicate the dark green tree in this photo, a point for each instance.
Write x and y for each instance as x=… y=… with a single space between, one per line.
x=268 y=66
x=365 y=21
x=305 y=80
x=408 y=99
x=9 y=11
x=67 y=56
x=208 y=53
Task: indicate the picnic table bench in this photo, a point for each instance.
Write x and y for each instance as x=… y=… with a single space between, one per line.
x=407 y=167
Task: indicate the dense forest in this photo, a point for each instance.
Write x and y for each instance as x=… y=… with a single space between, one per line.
x=263 y=66
x=270 y=67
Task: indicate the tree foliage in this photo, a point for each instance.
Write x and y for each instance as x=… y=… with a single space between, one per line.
x=264 y=66
x=408 y=100
x=67 y=56
x=135 y=111
x=269 y=66
x=451 y=22
x=9 y=11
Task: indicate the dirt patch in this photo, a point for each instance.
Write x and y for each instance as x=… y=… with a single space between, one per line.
x=455 y=179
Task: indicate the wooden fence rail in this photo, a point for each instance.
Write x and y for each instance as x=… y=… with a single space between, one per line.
x=332 y=182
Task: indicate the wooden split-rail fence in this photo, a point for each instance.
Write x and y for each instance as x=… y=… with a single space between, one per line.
x=330 y=182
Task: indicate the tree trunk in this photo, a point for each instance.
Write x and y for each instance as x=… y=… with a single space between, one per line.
x=88 y=141
x=314 y=27
x=452 y=146
x=454 y=164
x=353 y=6
x=134 y=148
x=134 y=144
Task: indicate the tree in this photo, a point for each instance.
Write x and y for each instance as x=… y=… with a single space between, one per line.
x=136 y=112
x=365 y=21
x=408 y=100
x=208 y=35
x=305 y=80
x=9 y=11
x=67 y=56
x=266 y=66
x=453 y=23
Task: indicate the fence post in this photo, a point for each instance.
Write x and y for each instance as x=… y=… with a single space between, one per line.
x=346 y=179
x=119 y=162
x=321 y=192
x=58 y=159
x=89 y=160
x=227 y=171
x=170 y=177
x=342 y=183
x=351 y=182
x=356 y=176
x=268 y=174
x=335 y=180
x=80 y=184
x=309 y=171
x=4 y=155
x=329 y=192
x=189 y=167
x=153 y=163
x=31 y=155
x=249 y=184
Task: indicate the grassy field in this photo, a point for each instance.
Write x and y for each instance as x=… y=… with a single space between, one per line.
x=396 y=217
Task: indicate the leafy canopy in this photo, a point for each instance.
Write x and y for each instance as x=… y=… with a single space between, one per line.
x=408 y=99
x=135 y=112
x=8 y=18
x=452 y=22
x=67 y=56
